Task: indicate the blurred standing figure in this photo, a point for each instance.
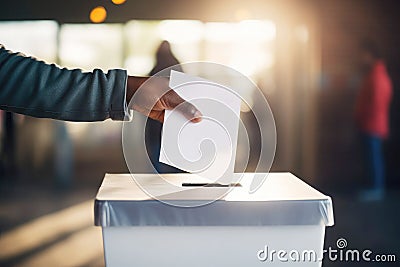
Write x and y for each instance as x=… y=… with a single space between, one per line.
x=164 y=59
x=372 y=117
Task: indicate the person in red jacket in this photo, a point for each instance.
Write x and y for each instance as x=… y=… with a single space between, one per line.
x=372 y=117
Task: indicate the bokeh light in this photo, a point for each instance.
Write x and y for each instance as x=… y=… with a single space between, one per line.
x=98 y=14
x=118 y=2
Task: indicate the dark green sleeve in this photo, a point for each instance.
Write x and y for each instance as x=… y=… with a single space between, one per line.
x=37 y=89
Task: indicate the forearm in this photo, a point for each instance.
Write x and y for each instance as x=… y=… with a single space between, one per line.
x=34 y=88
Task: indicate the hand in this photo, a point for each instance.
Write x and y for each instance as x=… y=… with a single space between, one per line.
x=155 y=96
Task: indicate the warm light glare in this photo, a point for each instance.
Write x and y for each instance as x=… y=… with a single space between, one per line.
x=253 y=31
x=84 y=46
x=257 y=30
x=220 y=32
x=181 y=31
x=118 y=2
x=139 y=65
x=98 y=14
x=301 y=33
x=33 y=38
x=242 y=14
x=250 y=41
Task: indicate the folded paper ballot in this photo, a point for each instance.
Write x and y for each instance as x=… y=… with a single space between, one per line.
x=207 y=148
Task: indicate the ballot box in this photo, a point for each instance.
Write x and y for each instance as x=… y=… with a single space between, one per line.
x=281 y=224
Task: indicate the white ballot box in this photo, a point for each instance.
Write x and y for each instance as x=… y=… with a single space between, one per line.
x=281 y=224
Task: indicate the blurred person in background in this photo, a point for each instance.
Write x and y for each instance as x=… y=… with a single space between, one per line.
x=164 y=59
x=372 y=117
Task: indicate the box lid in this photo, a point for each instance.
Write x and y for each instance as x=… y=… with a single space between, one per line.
x=283 y=199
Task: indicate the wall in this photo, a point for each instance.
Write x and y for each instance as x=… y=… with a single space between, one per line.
x=343 y=25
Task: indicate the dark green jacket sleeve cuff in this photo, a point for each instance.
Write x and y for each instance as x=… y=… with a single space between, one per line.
x=119 y=106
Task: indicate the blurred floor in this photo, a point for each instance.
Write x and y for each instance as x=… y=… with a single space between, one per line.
x=43 y=227
x=40 y=227
x=365 y=225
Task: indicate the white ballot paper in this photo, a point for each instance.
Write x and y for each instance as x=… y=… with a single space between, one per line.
x=207 y=148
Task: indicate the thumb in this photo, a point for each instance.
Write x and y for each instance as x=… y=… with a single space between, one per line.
x=187 y=109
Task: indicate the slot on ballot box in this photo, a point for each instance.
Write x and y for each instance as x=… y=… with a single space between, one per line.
x=237 y=229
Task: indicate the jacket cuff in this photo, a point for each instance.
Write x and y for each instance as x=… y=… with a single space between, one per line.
x=119 y=108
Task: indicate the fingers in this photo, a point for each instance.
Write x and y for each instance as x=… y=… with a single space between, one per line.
x=173 y=100
x=157 y=115
x=189 y=111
